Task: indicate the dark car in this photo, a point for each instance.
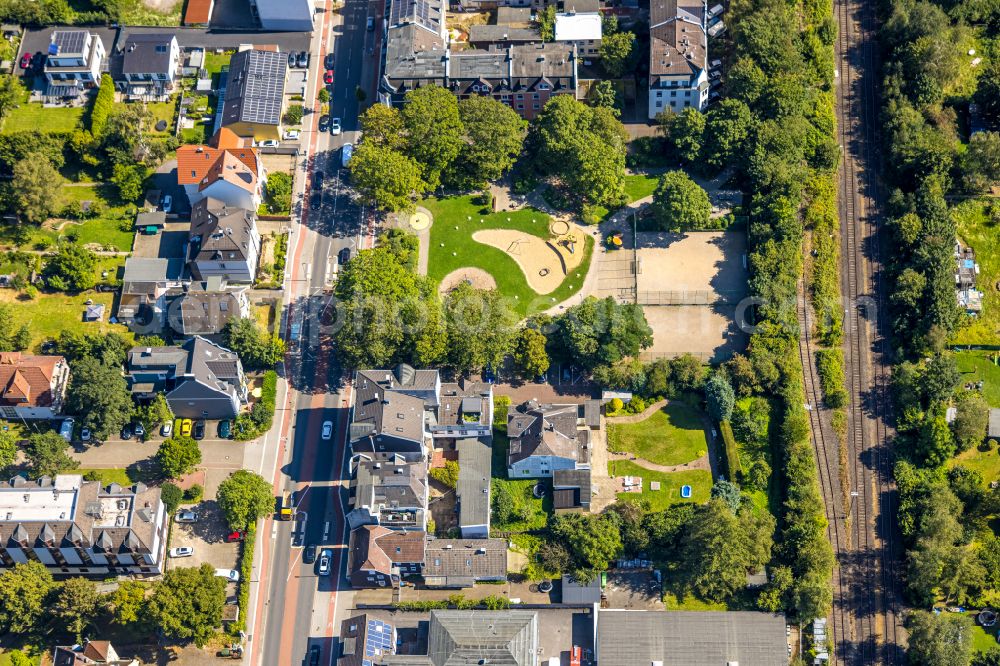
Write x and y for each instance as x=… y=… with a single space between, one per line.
x=291 y=60
x=199 y=429
x=309 y=554
x=316 y=201
x=25 y=61
x=303 y=59
x=225 y=429
x=126 y=432
x=328 y=61
x=324 y=123
x=314 y=655
x=38 y=60
x=344 y=255
x=318 y=177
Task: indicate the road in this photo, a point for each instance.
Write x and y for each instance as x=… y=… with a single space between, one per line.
x=291 y=607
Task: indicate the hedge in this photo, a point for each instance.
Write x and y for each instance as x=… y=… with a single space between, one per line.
x=831 y=377
x=260 y=418
x=246 y=569
x=733 y=469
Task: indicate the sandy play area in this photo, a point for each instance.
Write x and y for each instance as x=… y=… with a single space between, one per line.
x=476 y=277
x=544 y=263
x=692 y=268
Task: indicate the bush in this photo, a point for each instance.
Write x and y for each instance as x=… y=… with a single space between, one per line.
x=293 y=115
x=171 y=494
x=246 y=570
x=194 y=494
x=734 y=471
x=447 y=475
x=615 y=405
x=261 y=416
x=831 y=377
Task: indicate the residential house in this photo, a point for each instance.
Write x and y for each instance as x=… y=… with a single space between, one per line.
x=149 y=65
x=969 y=297
x=228 y=169
x=224 y=242
x=402 y=413
x=254 y=94
x=390 y=495
x=678 y=56
x=96 y=653
x=204 y=308
x=77 y=527
x=545 y=438
x=523 y=76
x=145 y=285
x=580 y=24
x=74 y=62
x=472 y=493
x=33 y=386
x=477 y=637
x=379 y=557
x=692 y=638
x=513 y=25
x=456 y=563
x=284 y=15
x=571 y=490
x=364 y=640
x=200 y=379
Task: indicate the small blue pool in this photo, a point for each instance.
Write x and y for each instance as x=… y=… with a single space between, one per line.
x=685 y=492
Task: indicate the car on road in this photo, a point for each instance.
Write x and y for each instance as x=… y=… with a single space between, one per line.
x=316 y=201
x=85 y=435
x=325 y=562
x=168 y=203
x=371 y=23
x=328 y=77
x=181 y=551
x=327 y=430
x=25 y=61
x=344 y=255
x=166 y=429
x=324 y=123
x=225 y=429
x=186 y=517
x=314 y=655
x=292 y=135
x=303 y=60
x=126 y=432
x=186 y=425
x=199 y=429
x=335 y=126
x=309 y=554
x=328 y=61
x=345 y=154
x=318 y=178
x=269 y=143
x=230 y=574
x=234 y=536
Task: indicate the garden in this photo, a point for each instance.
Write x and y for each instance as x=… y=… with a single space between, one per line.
x=981 y=366
x=700 y=481
x=672 y=435
x=976 y=224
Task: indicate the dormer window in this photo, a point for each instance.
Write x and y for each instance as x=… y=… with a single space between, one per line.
x=543 y=86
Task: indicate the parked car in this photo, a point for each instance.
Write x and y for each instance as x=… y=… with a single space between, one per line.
x=371 y=23
x=66 y=429
x=316 y=201
x=181 y=551
x=324 y=123
x=309 y=554
x=325 y=559
x=85 y=435
x=269 y=143
x=38 y=60
x=225 y=429
x=328 y=77
x=328 y=61
x=186 y=517
x=327 y=429
x=318 y=178
x=186 y=425
x=345 y=154
x=303 y=60
x=344 y=255
x=126 y=432
x=166 y=429
x=199 y=429
x=314 y=655
x=231 y=574
x=25 y=61
x=292 y=135
x=292 y=60
x=139 y=430
x=235 y=535
x=168 y=203
x=335 y=126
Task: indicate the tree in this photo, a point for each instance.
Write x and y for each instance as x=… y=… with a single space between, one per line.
x=128 y=179
x=547 y=23
x=939 y=639
x=178 y=456
x=684 y=132
x=480 y=328
x=125 y=136
x=435 y=130
x=76 y=605
x=187 y=603
x=293 y=114
x=46 y=453
x=72 y=268
x=447 y=475
x=502 y=503
x=592 y=542
x=156 y=413
x=99 y=394
x=22 y=338
x=18 y=658
x=629 y=518
x=727 y=127
x=627 y=374
x=617 y=53
x=720 y=397
x=11 y=94
x=279 y=191
x=554 y=557
x=385 y=178
x=8 y=449
x=244 y=497
x=980 y=164
x=36 y=188
x=127 y=603
x=934 y=443
x=324 y=96
x=171 y=494
x=24 y=596
x=603 y=93
x=728 y=492
x=494 y=136
x=601 y=332
x=530 y=357
x=972 y=415
x=680 y=204
x=104 y=104
x=255 y=347
x=7 y=331
x=383 y=126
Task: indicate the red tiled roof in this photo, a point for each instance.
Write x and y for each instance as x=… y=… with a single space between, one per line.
x=195 y=163
x=198 y=12
x=27 y=380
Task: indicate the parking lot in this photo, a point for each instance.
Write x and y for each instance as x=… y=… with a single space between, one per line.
x=207 y=537
x=635 y=590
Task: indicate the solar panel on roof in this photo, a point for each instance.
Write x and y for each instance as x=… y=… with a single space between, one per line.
x=68 y=41
x=378 y=639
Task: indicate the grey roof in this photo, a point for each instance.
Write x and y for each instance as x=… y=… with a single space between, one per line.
x=519 y=17
x=427 y=14
x=502 y=33
x=683 y=638
x=220 y=233
x=201 y=310
x=574 y=592
x=392 y=402
x=678 y=44
x=473 y=559
x=473 y=489
x=499 y=638
x=363 y=639
x=390 y=485
x=147 y=54
x=572 y=488
x=549 y=430
x=255 y=87
x=146 y=270
x=155 y=218
x=197 y=359
x=994 y=424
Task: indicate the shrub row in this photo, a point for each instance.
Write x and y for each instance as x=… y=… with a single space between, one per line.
x=733 y=469
x=258 y=421
x=831 y=377
x=246 y=569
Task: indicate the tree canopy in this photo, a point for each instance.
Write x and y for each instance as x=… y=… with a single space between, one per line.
x=494 y=136
x=178 y=455
x=480 y=328
x=72 y=268
x=387 y=179
x=679 y=203
x=593 y=543
x=47 y=456
x=601 y=332
x=257 y=349
x=187 y=603
x=435 y=130
x=25 y=591
x=99 y=395
x=244 y=497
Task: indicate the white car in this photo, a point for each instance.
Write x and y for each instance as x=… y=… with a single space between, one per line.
x=292 y=135
x=345 y=154
x=325 y=559
x=327 y=430
x=186 y=517
x=335 y=126
x=269 y=143
x=168 y=203
x=181 y=551
x=231 y=574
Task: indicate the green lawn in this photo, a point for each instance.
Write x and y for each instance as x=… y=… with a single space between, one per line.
x=669 y=493
x=987 y=463
x=983 y=639
x=49 y=314
x=166 y=111
x=34 y=117
x=108 y=476
x=975 y=231
x=978 y=366
x=639 y=186
x=689 y=603
x=214 y=62
x=455 y=212
x=673 y=435
x=535 y=511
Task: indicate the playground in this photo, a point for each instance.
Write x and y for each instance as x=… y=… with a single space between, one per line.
x=533 y=260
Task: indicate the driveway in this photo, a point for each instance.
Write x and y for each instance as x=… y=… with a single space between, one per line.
x=207 y=537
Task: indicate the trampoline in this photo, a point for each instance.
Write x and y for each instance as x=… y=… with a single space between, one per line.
x=686 y=492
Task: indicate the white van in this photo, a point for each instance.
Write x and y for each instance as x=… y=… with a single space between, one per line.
x=66 y=429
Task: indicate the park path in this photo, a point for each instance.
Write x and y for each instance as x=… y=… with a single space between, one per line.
x=697 y=463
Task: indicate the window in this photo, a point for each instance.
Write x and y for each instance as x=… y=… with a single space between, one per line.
x=520 y=106
x=659 y=93
x=542 y=86
x=534 y=106
x=659 y=105
x=673 y=93
x=534 y=96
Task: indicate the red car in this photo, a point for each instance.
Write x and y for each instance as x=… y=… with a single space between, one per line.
x=328 y=77
x=26 y=61
x=234 y=536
